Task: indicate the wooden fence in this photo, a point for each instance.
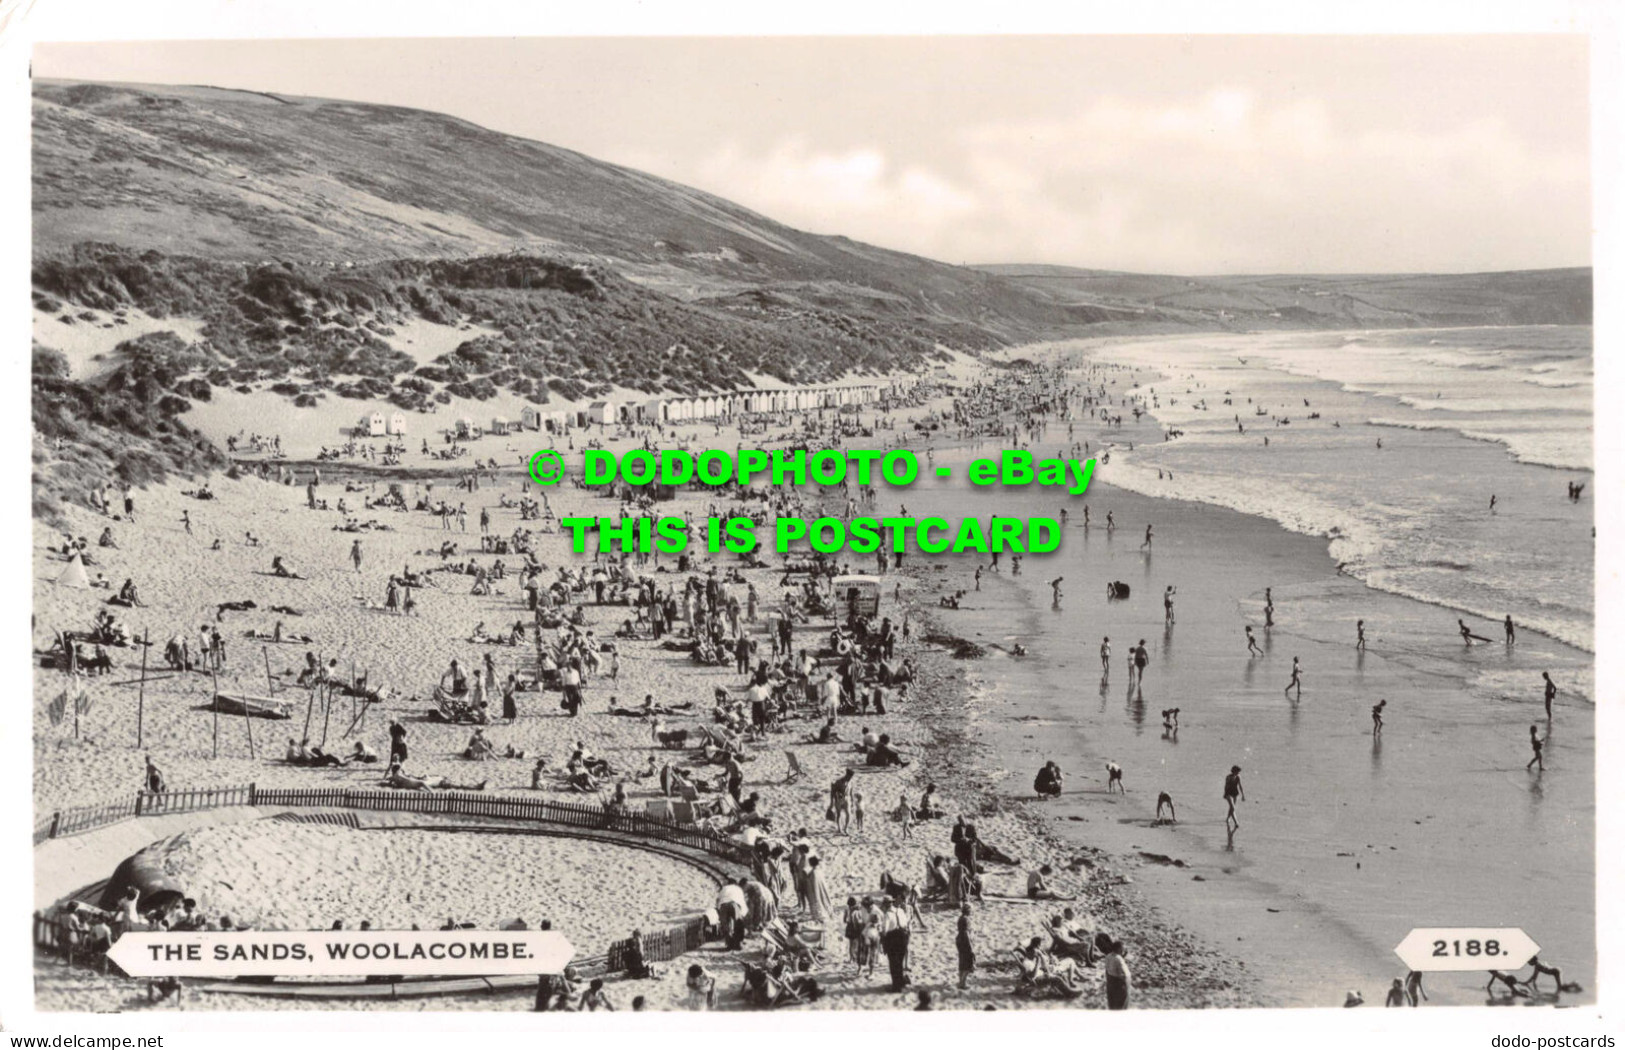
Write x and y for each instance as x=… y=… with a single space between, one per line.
x=592 y=816
x=53 y=936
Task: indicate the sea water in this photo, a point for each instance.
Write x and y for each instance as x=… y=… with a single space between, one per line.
x=1437 y=821
x=1461 y=414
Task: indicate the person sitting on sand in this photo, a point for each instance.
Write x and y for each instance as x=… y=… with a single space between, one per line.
x=363 y=753
x=479 y=749
x=883 y=754
x=928 y=808
x=107 y=538
x=1038 y=887
x=127 y=595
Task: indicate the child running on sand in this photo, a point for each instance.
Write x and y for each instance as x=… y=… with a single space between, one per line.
x=1359 y=636
x=1376 y=717
x=1296 y=681
x=1252 y=643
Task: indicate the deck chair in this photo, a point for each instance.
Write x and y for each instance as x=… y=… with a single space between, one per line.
x=659 y=809
x=780 y=941
x=795 y=772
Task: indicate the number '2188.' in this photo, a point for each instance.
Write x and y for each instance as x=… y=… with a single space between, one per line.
x=1449 y=949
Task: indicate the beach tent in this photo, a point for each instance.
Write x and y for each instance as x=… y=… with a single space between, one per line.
x=499 y=424
x=74 y=575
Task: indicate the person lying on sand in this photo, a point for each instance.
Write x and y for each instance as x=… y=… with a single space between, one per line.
x=394 y=777
x=279 y=569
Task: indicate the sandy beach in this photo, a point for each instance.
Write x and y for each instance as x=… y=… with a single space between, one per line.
x=182 y=580
x=1276 y=916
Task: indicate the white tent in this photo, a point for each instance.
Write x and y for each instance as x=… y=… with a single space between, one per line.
x=74 y=575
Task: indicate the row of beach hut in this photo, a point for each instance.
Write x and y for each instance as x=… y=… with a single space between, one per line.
x=656 y=410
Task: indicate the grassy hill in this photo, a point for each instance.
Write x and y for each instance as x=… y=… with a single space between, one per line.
x=1322 y=301
x=194 y=239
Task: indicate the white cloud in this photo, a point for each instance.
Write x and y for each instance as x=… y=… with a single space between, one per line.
x=1222 y=181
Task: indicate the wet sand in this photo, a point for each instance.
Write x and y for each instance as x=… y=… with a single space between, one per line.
x=1347 y=842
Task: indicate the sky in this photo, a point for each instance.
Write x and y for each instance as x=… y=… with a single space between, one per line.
x=1169 y=154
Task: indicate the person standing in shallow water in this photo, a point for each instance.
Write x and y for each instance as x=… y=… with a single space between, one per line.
x=1296 y=681
x=1512 y=635
x=1537 y=744
x=1551 y=693
x=1232 y=792
x=1359 y=636
x=1376 y=717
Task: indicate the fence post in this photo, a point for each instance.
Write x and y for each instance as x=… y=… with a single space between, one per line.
x=251 y=795
x=138 y=800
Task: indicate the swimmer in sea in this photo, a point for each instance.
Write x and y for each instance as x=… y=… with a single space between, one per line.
x=1114 y=775
x=978 y=577
x=1170 y=719
x=1413 y=988
x=1376 y=717
x=1086 y=515
x=1512 y=635
x=1492 y=503
x=1110 y=524
x=1296 y=681
x=1147 y=544
x=1233 y=791
x=1551 y=693
x=1106 y=655
x=1467 y=634
x=1359 y=636
x=1055 y=590
x=1168 y=605
x=1165 y=799
x=1252 y=643
x=1063 y=517
x=1537 y=744
x=1269 y=608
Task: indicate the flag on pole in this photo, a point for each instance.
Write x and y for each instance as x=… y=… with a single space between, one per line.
x=82 y=702
x=58 y=708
